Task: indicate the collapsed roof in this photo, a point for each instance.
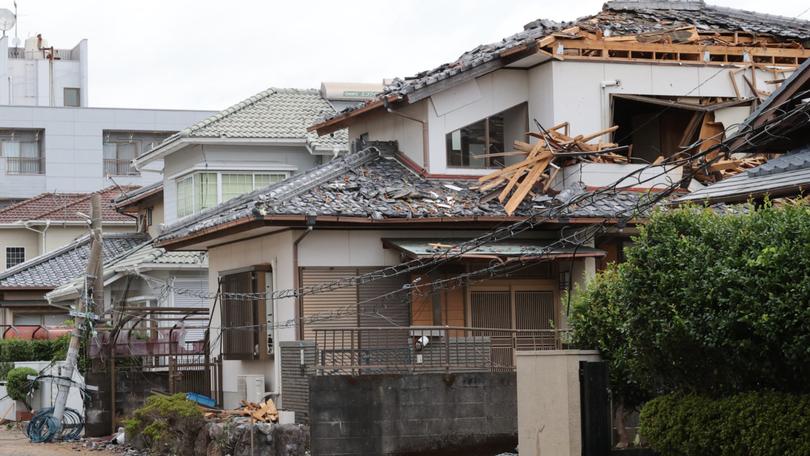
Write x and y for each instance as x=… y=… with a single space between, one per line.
x=373 y=187
x=626 y=17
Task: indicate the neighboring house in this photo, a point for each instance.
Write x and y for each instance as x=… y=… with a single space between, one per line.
x=38 y=225
x=23 y=287
x=786 y=175
x=140 y=278
x=665 y=73
x=257 y=142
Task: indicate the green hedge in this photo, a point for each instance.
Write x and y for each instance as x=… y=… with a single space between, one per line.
x=751 y=424
x=12 y=350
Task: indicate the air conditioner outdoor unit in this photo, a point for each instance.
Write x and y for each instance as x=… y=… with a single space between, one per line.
x=250 y=387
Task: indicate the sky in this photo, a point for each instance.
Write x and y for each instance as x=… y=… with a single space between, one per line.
x=201 y=54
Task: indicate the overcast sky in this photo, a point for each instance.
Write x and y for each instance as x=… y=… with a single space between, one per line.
x=201 y=54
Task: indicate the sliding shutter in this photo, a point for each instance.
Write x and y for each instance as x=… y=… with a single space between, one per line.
x=198 y=288
x=239 y=318
x=330 y=310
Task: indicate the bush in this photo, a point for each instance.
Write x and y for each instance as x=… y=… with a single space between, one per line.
x=752 y=424
x=707 y=303
x=4 y=369
x=166 y=425
x=13 y=350
x=18 y=386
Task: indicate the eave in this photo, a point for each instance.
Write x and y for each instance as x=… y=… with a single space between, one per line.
x=347 y=222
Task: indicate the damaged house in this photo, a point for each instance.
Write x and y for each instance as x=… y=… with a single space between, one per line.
x=526 y=128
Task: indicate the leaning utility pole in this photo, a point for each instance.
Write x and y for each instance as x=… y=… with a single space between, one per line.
x=94 y=289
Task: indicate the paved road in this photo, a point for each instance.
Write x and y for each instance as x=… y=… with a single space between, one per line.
x=14 y=443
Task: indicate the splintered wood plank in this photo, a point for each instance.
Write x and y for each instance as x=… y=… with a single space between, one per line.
x=525 y=186
x=529 y=160
x=509 y=185
x=599 y=133
x=492 y=184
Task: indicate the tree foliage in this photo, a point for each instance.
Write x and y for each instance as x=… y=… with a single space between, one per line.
x=19 y=387
x=707 y=303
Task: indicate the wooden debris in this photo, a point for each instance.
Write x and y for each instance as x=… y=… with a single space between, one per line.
x=264 y=412
x=554 y=149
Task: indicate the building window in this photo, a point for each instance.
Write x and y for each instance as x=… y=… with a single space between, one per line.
x=121 y=147
x=481 y=144
x=71 y=96
x=14 y=256
x=246 y=319
x=469 y=147
x=149 y=216
x=204 y=190
x=22 y=151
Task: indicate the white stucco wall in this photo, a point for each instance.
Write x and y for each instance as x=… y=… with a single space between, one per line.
x=235 y=157
x=556 y=91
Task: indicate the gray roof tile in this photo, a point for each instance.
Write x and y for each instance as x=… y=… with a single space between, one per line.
x=371 y=185
x=271 y=114
x=60 y=266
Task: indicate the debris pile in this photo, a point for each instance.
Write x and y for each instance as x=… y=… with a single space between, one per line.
x=554 y=149
x=723 y=169
x=264 y=412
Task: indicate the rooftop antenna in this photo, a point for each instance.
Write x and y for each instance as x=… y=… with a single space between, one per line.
x=7 y=20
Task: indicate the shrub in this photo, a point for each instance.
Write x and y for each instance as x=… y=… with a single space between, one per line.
x=752 y=424
x=18 y=386
x=707 y=303
x=166 y=425
x=4 y=369
x=14 y=350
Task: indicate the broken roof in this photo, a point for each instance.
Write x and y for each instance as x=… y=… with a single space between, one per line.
x=274 y=114
x=369 y=187
x=63 y=207
x=787 y=175
x=56 y=268
x=626 y=17
x=142 y=258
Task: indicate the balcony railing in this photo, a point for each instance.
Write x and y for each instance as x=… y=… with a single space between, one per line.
x=359 y=351
x=114 y=167
x=22 y=165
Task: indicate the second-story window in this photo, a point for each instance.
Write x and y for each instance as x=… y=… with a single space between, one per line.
x=202 y=190
x=71 y=97
x=22 y=151
x=483 y=144
x=121 y=147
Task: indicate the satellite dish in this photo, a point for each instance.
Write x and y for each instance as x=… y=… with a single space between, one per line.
x=7 y=20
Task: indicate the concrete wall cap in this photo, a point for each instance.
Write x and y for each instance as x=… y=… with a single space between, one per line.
x=558 y=353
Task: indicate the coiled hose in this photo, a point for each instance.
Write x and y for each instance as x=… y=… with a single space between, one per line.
x=43 y=427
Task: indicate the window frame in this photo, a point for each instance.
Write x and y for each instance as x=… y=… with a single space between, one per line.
x=489 y=165
x=22 y=137
x=220 y=196
x=7 y=256
x=78 y=92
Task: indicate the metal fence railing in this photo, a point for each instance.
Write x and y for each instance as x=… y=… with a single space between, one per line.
x=358 y=351
x=115 y=167
x=23 y=165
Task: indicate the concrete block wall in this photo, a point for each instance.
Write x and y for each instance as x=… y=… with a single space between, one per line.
x=463 y=413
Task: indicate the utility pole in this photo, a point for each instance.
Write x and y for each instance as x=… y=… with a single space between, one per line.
x=94 y=291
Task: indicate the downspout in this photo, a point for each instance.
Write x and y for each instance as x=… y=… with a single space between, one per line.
x=276 y=345
x=297 y=277
x=42 y=234
x=425 y=136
